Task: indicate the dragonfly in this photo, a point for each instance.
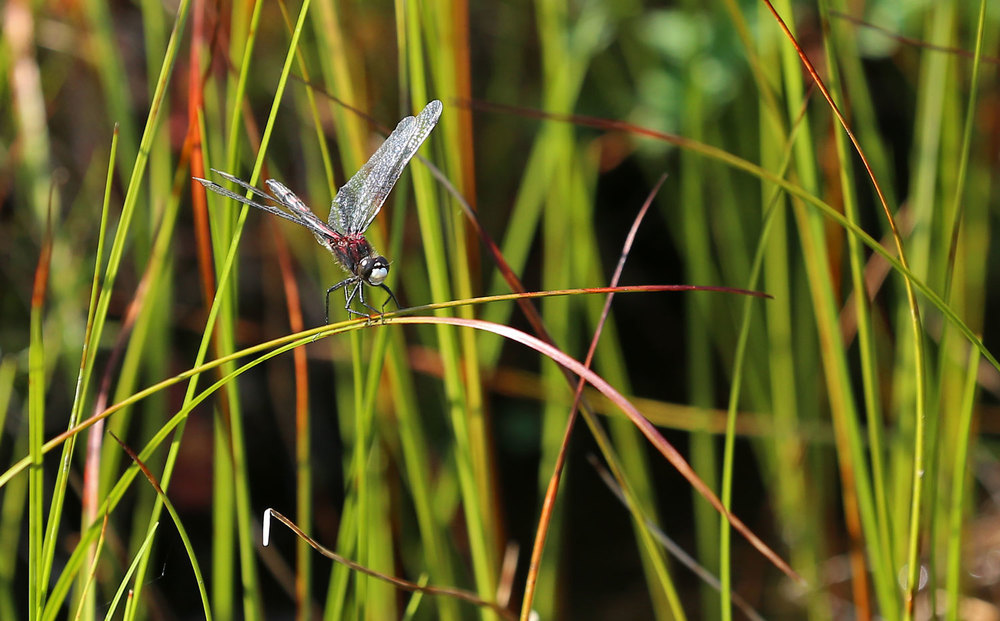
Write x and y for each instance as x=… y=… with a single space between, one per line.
x=354 y=208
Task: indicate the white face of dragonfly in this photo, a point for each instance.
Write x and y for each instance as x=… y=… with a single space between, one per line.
x=374 y=269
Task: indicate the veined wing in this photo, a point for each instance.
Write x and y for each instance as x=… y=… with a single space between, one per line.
x=290 y=200
x=360 y=199
x=297 y=211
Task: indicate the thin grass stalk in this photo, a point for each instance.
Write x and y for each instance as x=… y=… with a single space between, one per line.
x=252 y=604
x=415 y=457
x=356 y=480
x=224 y=574
x=944 y=432
x=557 y=239
x=476 y=502
x=114 y=261
x=880 y=546
x=123 y=585
x=923 y=193
x=363 y=482
x=84 y=608
x=310 y=93
x=88 y=357
x=837 y=380
x=885 y=542
x=374 y=543
x=178 y=524
x=342 y=72
x=245 y=42
x=783 y=387
x=220 y=225
x=553 y=484
x=382 y=603
x=39 y=565
x=303 y=436
x=803 y=548
x=16 y=499
x=961 y=488
x=107 y=58
x=451 y=81
x=919 y=370
x=230 y=495
x=699 y=267
x=566 y=51
x=154 y=39
x=958 y=205
x=347 y=538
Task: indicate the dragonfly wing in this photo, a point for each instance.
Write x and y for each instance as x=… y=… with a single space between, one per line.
x=298 y=208
x=218 y=189
x=361 y=198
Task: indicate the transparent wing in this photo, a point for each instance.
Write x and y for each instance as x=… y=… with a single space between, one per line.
x=299 y=213
x=360 y=199
x=288 y=199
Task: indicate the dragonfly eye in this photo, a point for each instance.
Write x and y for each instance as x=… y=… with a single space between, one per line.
x=376 y=270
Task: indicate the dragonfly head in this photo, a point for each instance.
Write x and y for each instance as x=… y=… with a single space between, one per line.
x=374 y=269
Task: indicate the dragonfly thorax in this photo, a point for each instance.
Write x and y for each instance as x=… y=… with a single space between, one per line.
x=373 y=269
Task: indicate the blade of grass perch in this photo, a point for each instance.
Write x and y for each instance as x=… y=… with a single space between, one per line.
x=167 y=430
x=276 y=347
x=553 y=486
x=326 y=331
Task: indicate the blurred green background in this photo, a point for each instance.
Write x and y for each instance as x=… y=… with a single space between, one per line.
x=848 y=420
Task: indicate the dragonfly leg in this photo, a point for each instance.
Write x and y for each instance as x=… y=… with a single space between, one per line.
x=391 y=297
x=340 y=284
x=350 y=298
x=365 y=303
